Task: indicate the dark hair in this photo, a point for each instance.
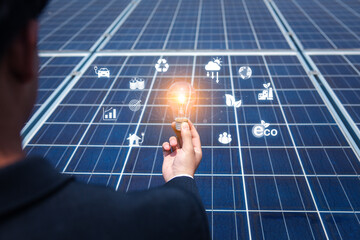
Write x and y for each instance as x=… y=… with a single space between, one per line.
x=14 y=15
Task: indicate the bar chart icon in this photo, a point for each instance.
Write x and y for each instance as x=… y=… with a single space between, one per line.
x=109 y=114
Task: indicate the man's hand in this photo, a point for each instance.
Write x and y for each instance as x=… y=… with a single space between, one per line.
x=182 y=158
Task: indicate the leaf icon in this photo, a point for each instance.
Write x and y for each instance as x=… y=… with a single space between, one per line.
x=265 y=124
x=238 y=104
x=266 y=85
x=229 y=100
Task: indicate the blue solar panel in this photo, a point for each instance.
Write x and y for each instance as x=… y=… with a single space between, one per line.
x=189 y=24
x=77 y=25
x=52 y=72
x=342 y=72
x=323 y=24
x=251 y=26
x=299 y=182
x=284 y=176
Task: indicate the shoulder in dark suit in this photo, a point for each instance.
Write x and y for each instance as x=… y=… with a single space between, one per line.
x=36 y=202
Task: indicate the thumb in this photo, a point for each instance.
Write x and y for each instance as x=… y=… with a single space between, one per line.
x=187 y=145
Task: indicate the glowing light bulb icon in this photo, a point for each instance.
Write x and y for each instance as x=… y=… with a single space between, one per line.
x=181 y=97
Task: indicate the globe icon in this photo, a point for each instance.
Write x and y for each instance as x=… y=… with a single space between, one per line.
x=245 y=72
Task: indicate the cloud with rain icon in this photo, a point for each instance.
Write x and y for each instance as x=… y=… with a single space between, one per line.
x=213 y=67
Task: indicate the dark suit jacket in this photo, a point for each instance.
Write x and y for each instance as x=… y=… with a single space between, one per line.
x=36 y=202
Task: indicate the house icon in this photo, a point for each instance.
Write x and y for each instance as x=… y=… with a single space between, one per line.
x=134 y=140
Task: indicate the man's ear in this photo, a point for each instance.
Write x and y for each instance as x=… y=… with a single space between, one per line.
x=22 y=54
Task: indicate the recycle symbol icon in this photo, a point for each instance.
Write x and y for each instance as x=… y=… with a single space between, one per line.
x=162 y=65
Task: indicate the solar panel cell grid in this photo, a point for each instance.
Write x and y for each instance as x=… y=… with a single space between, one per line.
x=52 y=72
x=251 y=20
x=77 y=25
x=183 y=35
x=127 y=36
x=199 y=25
x=342 y=72
x=318 y=24
x=159 y=26
x=276 y=170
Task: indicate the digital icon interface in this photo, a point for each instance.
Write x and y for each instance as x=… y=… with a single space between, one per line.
x=245 y=72
x=230 y=101
x=225 y=138
x=137 y=83
x=266 y=94
x=261 y=130
x=134 y=140
x=212 y=68
x=181 y=99
x=162 y=65
x=109 y=114
x=102 y=72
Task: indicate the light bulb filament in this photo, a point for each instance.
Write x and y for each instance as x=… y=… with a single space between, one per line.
x=181 y=99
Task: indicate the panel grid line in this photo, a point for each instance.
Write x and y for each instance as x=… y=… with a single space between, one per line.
x=232 y=85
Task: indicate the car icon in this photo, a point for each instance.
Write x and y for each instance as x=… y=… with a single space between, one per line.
x=103 y=72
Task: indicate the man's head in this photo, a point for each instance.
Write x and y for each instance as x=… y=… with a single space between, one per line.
x=18 y=65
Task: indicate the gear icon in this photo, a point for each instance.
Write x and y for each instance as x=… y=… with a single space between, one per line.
x=161 y=65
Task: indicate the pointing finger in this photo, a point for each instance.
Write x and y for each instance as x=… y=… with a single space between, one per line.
x=186 y=137
x=195 y=136
x=196 y=141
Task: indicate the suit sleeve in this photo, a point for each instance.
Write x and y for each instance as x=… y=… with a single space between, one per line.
x=173 y=211
x=185 y=183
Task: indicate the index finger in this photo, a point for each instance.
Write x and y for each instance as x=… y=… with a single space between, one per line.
x=195 y=136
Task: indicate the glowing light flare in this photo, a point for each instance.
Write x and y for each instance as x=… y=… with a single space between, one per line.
x=181 y=98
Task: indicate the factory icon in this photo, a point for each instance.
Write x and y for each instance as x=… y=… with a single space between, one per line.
x=267 y=93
